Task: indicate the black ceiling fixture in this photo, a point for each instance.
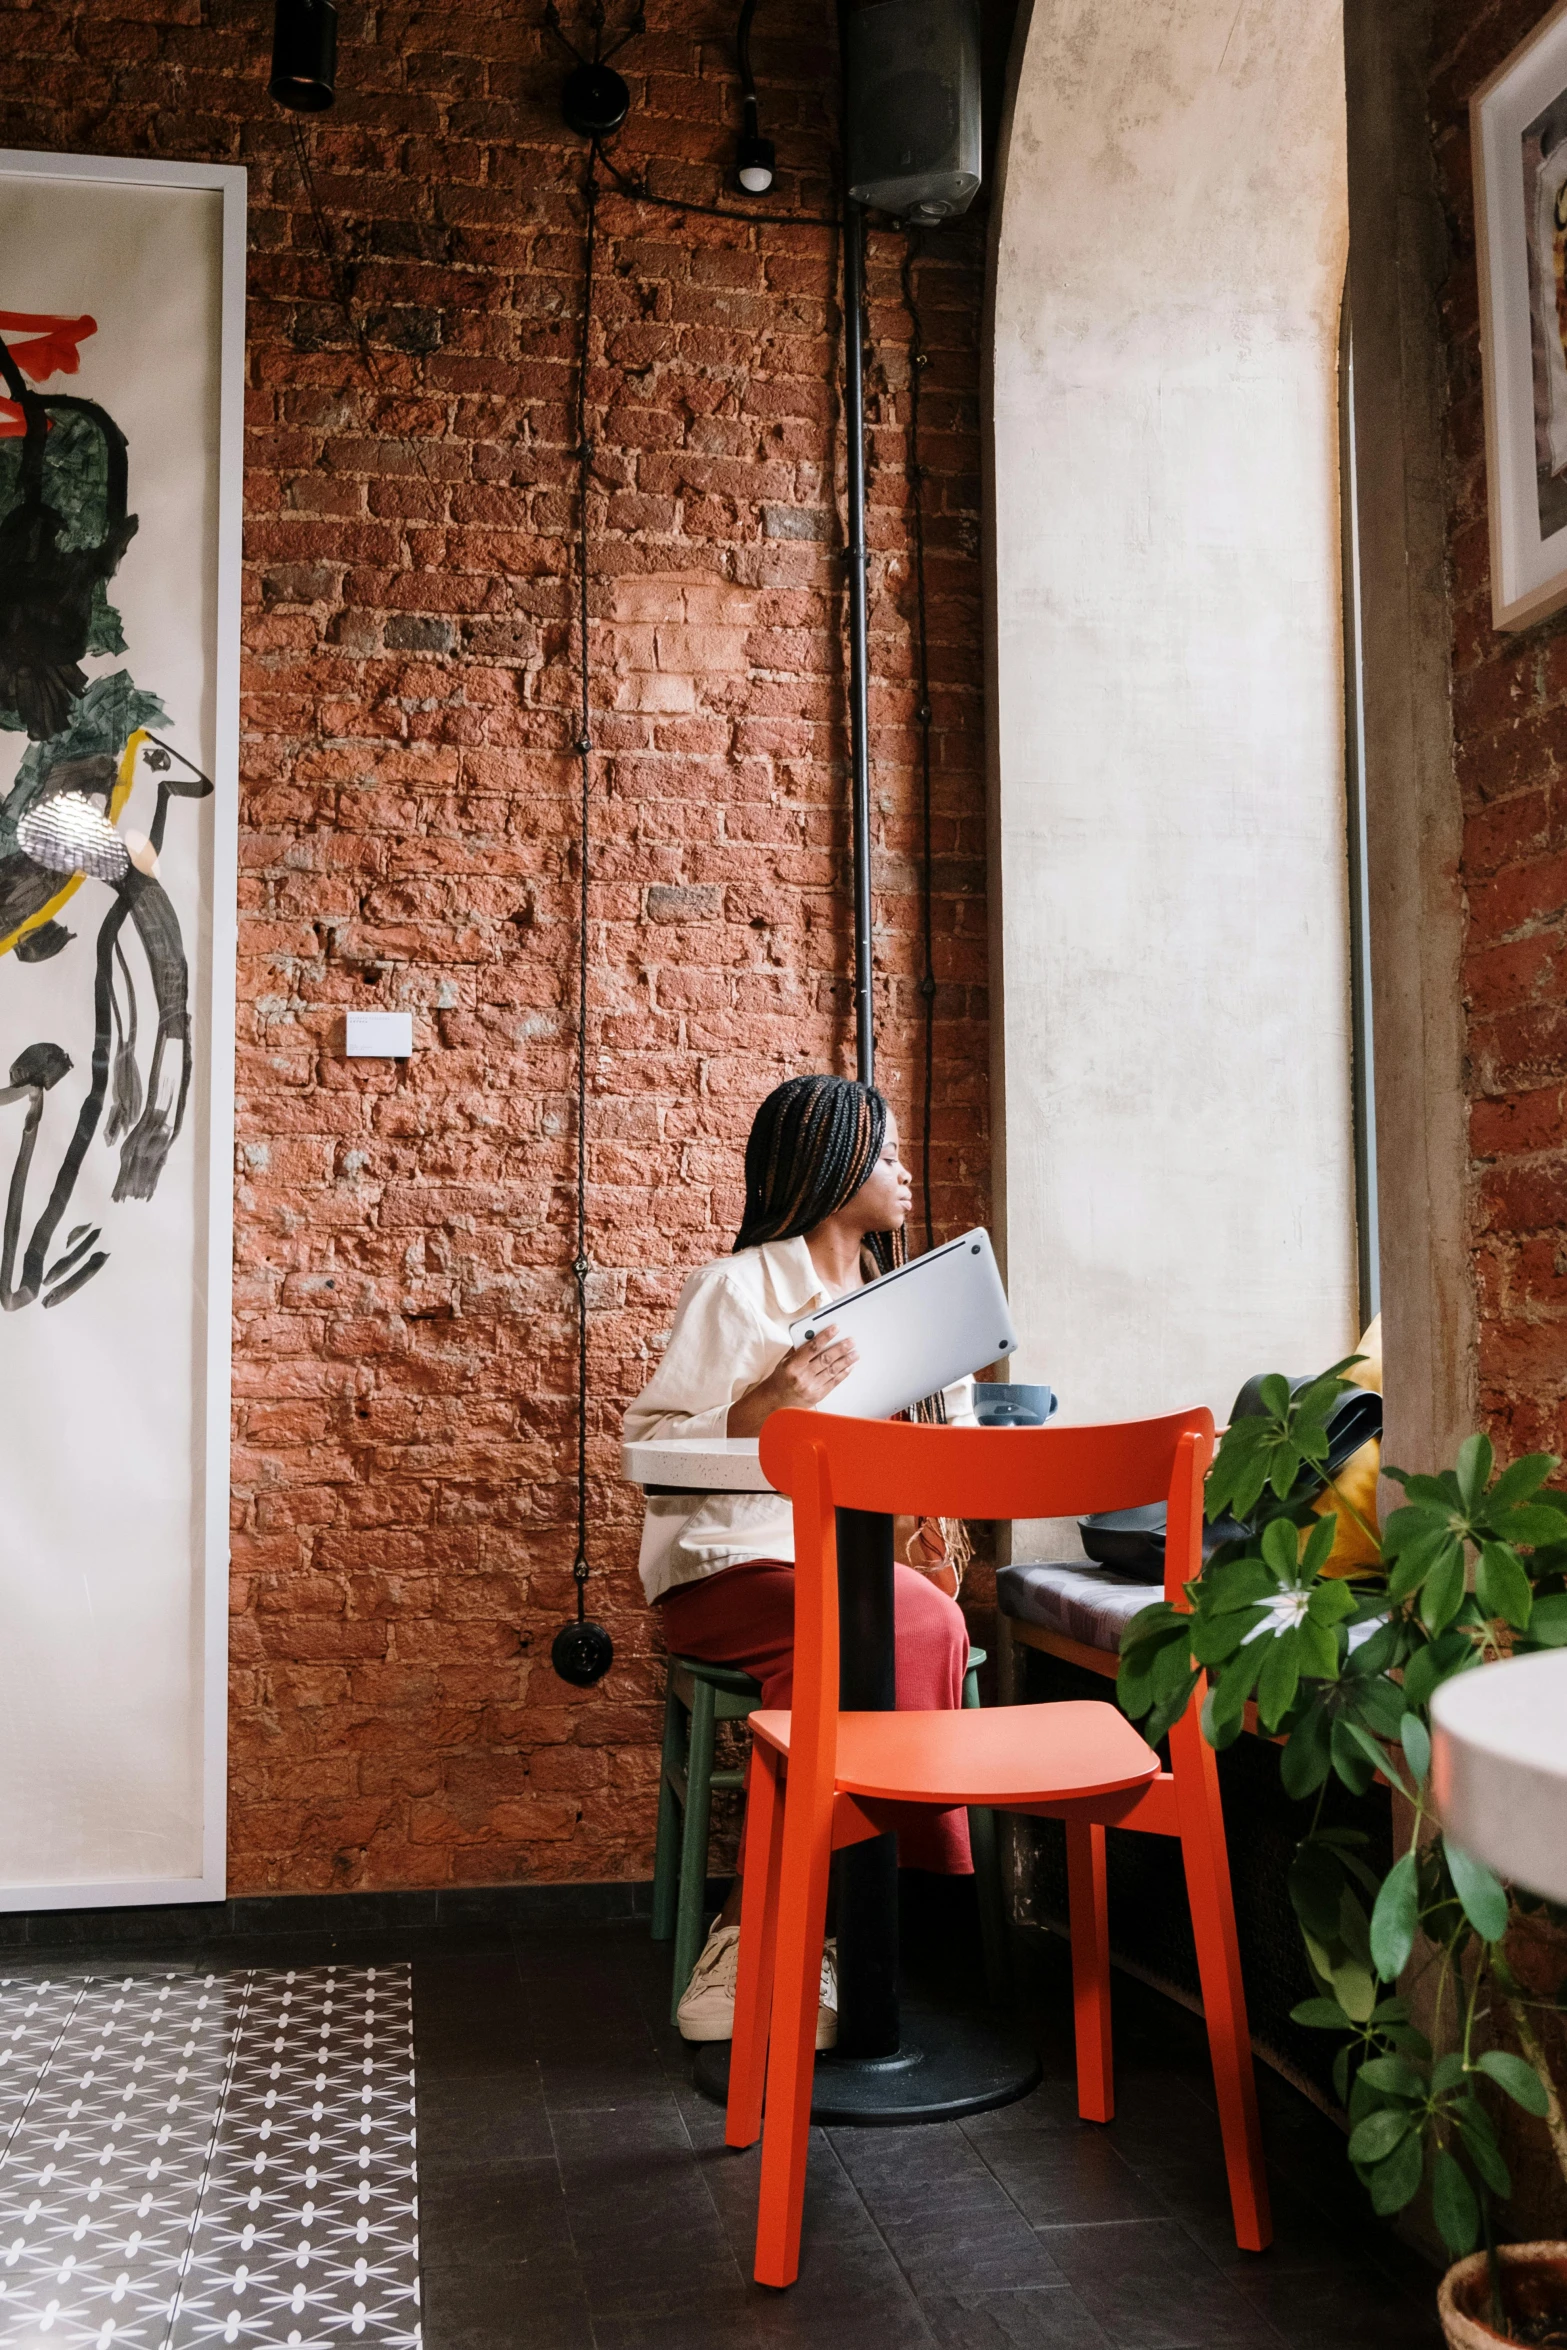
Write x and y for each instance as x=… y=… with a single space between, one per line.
x=304 y=55
x=595 y=100
x=756 y=164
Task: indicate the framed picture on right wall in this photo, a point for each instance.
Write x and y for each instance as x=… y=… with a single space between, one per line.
x=1518 y=125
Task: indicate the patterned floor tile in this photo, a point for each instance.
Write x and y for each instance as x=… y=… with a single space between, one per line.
x=192 y=2159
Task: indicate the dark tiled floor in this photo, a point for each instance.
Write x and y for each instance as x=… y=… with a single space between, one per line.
x=575 y=2192
x=578 y=2194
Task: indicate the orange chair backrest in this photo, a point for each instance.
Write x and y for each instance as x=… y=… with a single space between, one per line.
x=825 y=1463
x=906 y=1465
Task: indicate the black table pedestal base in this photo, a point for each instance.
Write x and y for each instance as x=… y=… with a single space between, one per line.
x=949 y=2065
x=942 y=2064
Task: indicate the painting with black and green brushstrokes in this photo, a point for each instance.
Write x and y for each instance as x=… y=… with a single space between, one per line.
x=69 y=866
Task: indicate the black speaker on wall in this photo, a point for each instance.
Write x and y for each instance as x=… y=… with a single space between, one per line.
x=913 y=95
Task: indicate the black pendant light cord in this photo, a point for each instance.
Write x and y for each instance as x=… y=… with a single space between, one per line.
x=341 y=290
x=580 y=1264
x=926 y=990
x=743 y=59
x=638 y=192
x=582 y=1651
x=324 y=240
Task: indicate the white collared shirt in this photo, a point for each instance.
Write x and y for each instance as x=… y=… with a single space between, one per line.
x=731 y=1329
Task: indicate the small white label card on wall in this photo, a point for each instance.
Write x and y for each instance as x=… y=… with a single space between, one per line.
x=121 y=369
x=378 y=1036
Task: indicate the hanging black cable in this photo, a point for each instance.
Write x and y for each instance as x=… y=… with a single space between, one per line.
x=342 y=291
x=859 y=655
x=582 y=1651
x=918 y=360
x=637 y=191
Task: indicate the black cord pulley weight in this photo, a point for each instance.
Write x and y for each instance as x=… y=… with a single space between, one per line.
x=582 y=1653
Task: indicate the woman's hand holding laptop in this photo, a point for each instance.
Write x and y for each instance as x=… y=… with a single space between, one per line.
x=807 y=1373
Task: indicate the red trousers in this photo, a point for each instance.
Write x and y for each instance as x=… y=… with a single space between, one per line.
x=745 y=1616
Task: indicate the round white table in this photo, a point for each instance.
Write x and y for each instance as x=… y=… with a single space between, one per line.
x=687 y=1464
x=949 y=2064
x=1499 y=1767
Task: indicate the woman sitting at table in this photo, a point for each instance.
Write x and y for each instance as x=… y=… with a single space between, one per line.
x=826 y=1202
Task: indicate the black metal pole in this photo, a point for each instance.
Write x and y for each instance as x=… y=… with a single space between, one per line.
x=859 y=692
x=868 y=2019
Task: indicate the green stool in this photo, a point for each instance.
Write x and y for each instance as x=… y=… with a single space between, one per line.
x=699 y=1696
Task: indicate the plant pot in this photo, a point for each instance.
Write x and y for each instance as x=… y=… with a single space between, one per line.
x=1535 y=2284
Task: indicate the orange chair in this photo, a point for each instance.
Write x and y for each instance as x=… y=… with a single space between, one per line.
x=820 y=1779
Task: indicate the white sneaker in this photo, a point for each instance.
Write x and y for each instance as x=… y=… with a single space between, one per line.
x=827 y=2013
x=707 y=2011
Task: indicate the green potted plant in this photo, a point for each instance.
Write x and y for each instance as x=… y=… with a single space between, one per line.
x=1341 y=1672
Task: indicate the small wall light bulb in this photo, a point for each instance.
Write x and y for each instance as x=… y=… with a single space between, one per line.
x=756 y=163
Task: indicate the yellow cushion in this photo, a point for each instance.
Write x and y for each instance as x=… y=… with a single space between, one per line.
x=1369 y=1373
x=1354 y=1551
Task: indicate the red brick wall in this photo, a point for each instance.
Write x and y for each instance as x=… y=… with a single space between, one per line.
x=1510 y=725
x=404 y=1354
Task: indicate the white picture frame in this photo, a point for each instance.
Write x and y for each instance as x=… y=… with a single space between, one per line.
x=123 y=1869
x=1518 y=132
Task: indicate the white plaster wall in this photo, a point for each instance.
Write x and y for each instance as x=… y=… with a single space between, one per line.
x=1169 y=882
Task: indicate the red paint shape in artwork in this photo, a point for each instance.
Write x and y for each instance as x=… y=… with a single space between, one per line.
x=56 y=350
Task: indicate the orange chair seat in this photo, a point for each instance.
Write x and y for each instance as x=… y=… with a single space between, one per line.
x=1013 y=1755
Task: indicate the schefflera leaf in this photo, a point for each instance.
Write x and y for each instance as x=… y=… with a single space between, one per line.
x=1480 y=1891
x=1395 y=1918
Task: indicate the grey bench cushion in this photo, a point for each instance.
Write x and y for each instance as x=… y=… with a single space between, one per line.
x=1088 y=1603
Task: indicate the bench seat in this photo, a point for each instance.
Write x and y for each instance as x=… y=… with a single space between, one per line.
x=1085 y=1606
x=1084 y=1603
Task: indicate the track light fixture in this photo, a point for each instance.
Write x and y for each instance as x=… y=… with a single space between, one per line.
x=756 y=164
x=304 y=55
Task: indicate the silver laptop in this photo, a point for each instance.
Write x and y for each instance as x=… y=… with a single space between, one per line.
x=917 y=1329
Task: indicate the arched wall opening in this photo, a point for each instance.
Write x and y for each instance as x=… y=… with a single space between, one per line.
x=1170 y=919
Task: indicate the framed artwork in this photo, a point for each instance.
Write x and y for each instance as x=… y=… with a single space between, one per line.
x=1518 y=128
x=121 y=366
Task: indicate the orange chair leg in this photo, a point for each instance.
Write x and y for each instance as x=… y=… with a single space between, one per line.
x=758 y=1931
x=1206 y=1859
x=791 y=2053
x=1089 y=1918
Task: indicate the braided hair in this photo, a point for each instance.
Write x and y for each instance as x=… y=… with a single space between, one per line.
x=813 y=1143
